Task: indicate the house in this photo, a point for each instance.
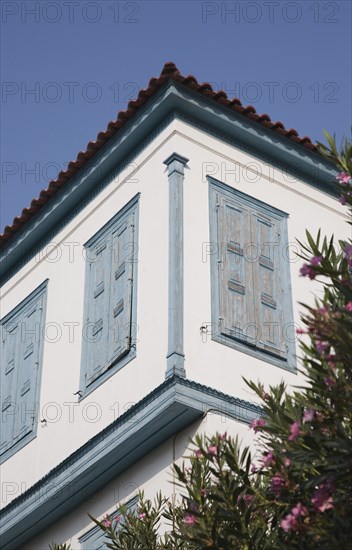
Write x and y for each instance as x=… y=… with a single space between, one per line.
x=137 y=291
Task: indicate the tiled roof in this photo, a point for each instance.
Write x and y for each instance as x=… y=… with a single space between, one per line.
x=169 y=71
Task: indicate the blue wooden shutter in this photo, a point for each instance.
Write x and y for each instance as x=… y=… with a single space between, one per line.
x=121 y=290
x=268 y=288
x=9 y=373
x=97 y=320
x=236 y=304
x=29 y=350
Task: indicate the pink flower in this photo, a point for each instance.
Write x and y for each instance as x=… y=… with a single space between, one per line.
x=342 y=200
x=106 y=522
x=322 y=499
x=212 y=450
x=257 y=424
x=288 y=523
x=299 y=510
x=253 y=468
x=193 y=506
x=117 y=518
x=329 y=381
x=294 y=431
x=316 y=260
x=198 y=453
x=348 y=306
x=306 y=270
x=247 y=499
x=223 y=437
x=343 y=177
x=277 y=484
x=190 y=519
x=300 y=331
x=348 y=254
x=267 y=459
x=324 y=311
x=308 y=415
x=287 y=462
x=321 y=347
x=143 y=515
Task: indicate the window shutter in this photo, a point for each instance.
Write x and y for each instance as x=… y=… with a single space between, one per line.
x=268 y=284
x=235 y=272
x=120 y=314
x=108 y=298
x=29 y=346
x=96 y=330
x=9 y=372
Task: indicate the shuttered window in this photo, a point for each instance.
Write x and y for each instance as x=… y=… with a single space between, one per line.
x=22 y=337
x=252 y=304
x=111 y=257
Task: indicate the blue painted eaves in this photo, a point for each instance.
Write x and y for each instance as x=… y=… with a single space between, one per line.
x=172 y=101
x=169 y=408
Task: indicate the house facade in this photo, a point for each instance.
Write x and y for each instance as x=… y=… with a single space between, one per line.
x=137 y=291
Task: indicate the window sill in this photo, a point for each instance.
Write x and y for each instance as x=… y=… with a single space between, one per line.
x=288 y=365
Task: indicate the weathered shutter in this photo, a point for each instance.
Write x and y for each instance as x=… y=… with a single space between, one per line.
x=268 y=288
x=120 y=314
x=29 y=347
x=236 y=309
x=97 y=321
x=9 y=370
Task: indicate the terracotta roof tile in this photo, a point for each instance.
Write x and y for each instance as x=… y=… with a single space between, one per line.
x=169 y=71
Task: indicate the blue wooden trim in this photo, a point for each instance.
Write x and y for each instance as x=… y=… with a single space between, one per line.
x=21 y=309
x=289 y=364
x=179 y=159
x=175 y=355
x=250 y=201
x=172 y=406
x=131 y=206
x=22 y=306
x=172 y=101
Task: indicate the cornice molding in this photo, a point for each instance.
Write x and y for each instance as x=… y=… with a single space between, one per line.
x=169 y=408
x=172 y=101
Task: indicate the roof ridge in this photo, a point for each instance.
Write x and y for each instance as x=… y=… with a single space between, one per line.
x=168 y=72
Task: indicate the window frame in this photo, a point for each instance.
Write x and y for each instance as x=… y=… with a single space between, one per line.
x=132 y=207
x=240 y=198
x=15 y=315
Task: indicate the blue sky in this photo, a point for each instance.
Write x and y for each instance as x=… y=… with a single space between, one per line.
x=68 y=67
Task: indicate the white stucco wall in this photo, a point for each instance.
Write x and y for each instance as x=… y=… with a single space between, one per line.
x=69 y=423
x=207 y=361
x=152 y=474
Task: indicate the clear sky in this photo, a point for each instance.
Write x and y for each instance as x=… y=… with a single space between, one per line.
x=69 y=66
